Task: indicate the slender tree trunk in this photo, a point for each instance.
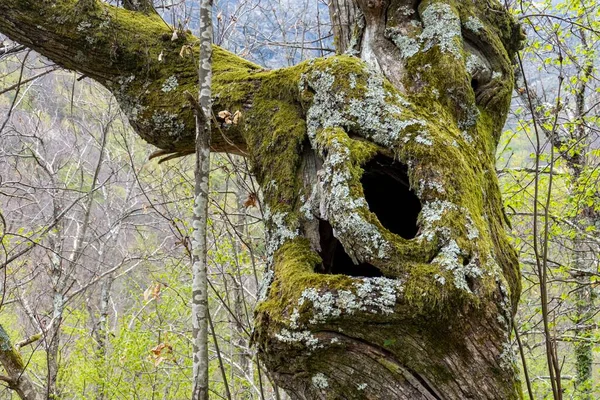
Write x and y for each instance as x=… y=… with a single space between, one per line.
x=199 y=270
x=240 y=343
x=584 y=316
x=52 y=333
x=584 y=266
x=102 y=331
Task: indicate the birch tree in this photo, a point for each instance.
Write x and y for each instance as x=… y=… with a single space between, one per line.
x=200 y=277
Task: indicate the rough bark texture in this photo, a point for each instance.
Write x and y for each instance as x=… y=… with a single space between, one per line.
x=200 y=311
x=390 y=275
x=14 y=366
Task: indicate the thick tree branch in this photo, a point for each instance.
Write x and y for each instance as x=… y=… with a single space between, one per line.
x=13 y=364
x=134 y=56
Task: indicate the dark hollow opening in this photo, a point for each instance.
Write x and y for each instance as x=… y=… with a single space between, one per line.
x=387 y=191
x=335 y=259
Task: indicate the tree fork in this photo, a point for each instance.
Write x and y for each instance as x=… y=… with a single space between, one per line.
x=390 y=274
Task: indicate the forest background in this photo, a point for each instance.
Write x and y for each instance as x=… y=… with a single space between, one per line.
x=95 y=250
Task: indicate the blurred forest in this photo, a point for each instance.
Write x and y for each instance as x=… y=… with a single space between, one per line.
x=95 y=238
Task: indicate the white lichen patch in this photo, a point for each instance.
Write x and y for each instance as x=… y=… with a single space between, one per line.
x=320 y=381
x=440 y=279
x=84 y=25
x=170 y=84
x=406 y=11
x=375 y=115
x=433 y=185
x=471 y=116
x=508 y=357
x=278 y=231
x=305 y=338
x=361 y=386
x=265 y=285
x=294 y=319
x=168 y=123
x=431 y=213
x=373 y=295
x=379 y=294
x=442 y=28
x=130 y=104
x=407 y=45
x=450 y=258
x=472 y=231
x=473 y=24
x=352 y=81
x=505 y=316
x=466 y=137
x=424 y=139
x=310 y=206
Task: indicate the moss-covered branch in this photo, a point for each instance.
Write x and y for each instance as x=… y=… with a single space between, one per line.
x=14 y=367
x=138 y=57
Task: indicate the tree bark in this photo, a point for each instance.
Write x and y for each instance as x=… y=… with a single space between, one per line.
x=14 y=367
x=200 y=312
x=390 y=275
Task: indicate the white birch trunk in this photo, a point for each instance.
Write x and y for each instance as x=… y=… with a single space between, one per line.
x=199 y=268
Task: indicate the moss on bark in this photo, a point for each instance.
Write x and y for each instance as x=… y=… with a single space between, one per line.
x=436 y=323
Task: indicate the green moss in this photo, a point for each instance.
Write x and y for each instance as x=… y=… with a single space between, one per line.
x=9 y=353
x=294 y=265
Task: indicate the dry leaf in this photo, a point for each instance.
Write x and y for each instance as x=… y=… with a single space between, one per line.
x=250 y=201
x=185 y=49
x=224 y=115
x=161 y=352
x=147 y=293
x=158 y=349
x=156 y=291
x=236 y=117
x=152 y=292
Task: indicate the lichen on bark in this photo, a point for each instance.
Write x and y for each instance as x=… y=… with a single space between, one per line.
x=415 y=297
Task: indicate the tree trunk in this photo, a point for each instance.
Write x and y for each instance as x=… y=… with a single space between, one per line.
x=200 y=311
x=17 y=378
x=584 y=266
x=390 y=274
